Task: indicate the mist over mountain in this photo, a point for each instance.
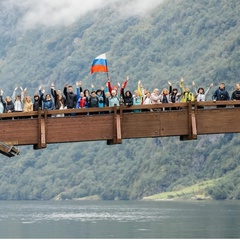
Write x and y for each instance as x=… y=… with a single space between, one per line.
x=155 y=42
x=64 y=13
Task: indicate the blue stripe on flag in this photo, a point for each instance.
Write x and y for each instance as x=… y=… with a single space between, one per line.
x=99 y=62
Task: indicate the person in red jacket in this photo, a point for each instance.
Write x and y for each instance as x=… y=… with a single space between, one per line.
x=110 y=87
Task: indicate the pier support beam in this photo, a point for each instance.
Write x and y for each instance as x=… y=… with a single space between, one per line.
x=8 y=149
x=117 y=127
x=41 y=131
x=192 y=124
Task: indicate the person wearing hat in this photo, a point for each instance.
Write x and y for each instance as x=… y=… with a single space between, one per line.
x=100 y=95
x=110 y=87
x=113 y=99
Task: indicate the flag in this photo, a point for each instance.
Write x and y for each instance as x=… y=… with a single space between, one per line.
x=99 y=64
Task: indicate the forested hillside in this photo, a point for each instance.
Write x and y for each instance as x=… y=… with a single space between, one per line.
x=198 y=40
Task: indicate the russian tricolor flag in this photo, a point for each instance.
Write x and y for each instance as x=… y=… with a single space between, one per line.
x=99 y=64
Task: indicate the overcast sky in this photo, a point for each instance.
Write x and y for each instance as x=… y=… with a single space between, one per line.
x=65 y=12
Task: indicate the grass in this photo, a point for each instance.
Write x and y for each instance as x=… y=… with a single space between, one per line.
x=194 y=192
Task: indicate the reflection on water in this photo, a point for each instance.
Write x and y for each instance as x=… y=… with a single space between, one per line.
x=119 y=219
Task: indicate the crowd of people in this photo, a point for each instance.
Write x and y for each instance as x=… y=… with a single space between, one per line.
x=108 y=96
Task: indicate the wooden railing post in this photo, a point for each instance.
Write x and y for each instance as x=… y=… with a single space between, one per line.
x=119 y=125
x=189 y=120
x=192 y=127
x=41 y=136
x=194 y=120
x=117 y=131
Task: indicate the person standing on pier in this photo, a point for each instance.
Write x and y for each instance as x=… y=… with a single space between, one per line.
x=18 y=100
x=201 y=94
x=221 y=94
x=71 y=98
x=236 y=95
x=27 y=102
x=187 y=96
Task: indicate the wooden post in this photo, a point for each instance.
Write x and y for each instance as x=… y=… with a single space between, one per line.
x=43 y=134
x=121 y=119
x=8 y=149
x=189 y=120
x=119 y=127
x=41 y=130
x=192 y=128
x=194 y=121
x=117 y=130
x=115 y=124
x=113 y=141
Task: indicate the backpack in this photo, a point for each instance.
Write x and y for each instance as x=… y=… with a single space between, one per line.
x=100 y=99
x=237 y=95
x=223 y=95
x=94 y=102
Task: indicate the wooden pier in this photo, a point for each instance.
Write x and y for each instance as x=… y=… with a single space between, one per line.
x=113 y=124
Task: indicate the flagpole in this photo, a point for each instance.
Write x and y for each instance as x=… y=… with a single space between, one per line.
x=107 y=70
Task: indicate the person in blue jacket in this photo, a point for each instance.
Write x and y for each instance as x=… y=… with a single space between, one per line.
x=101 y=97
x=221 y=94
x=47 y=100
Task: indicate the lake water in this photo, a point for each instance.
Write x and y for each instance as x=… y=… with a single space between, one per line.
x=119 y=219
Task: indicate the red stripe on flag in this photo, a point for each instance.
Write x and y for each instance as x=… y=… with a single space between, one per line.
x=99 y=68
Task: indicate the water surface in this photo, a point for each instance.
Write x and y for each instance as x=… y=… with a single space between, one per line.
x=119 y=219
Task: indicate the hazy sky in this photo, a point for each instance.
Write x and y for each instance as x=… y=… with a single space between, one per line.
x=65 y=12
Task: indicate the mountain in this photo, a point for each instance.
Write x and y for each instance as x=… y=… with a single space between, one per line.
x=194 y=39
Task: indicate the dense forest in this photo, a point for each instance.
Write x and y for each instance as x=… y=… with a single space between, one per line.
x=198 y=40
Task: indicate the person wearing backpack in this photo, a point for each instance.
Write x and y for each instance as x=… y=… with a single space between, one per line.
x=221 y=94
x=236 y=95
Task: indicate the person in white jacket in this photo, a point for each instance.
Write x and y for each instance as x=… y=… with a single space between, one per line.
x=200 y=93
x=18 y=100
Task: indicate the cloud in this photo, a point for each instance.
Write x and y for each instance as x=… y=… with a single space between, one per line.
x=138 y=7
x=65 y=12
x=56 y=12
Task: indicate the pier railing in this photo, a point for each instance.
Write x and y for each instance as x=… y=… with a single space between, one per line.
x=113 y=124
